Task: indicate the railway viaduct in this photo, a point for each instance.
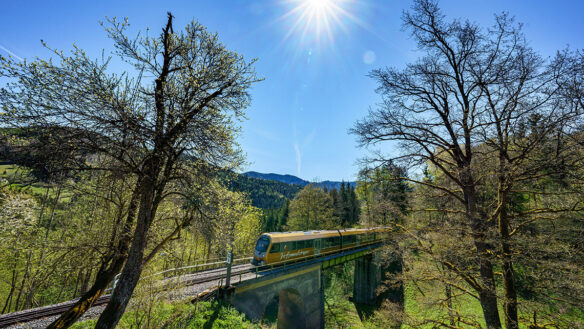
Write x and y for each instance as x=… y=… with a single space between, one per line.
x=298 y=290
x=295 y=292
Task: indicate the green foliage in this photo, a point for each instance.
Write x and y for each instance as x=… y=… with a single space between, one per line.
x=346 y=205
x=274 y=220
x=339 y=311
x=311 y=209
x=383 y=193
x=76 y=226
x=206 y=315
x=162 y=124
x=265 y=194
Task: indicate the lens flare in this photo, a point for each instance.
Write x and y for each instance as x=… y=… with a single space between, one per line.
x=318 y=20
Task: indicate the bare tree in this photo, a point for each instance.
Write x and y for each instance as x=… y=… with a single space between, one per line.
x=526 y=116
x=468 y=101
x=179 y=106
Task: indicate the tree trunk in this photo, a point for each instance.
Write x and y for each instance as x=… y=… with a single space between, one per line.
x=30 y=294
x=448 y=292
x=510 y=303
x=77 y=282
x=25 y=276
x=208 y=252
x=134 y=265
x=487 y=295
x=12 y=286
x=106 y=273
x=85 y=281
x=65 y=283
x=104 y=278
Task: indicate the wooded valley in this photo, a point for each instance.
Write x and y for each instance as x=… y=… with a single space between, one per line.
x=115 y=176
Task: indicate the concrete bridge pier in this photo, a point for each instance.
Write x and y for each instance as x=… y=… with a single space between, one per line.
x=367 y=278
x=299 y=294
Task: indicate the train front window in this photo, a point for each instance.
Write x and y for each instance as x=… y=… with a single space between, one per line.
x=263 y=243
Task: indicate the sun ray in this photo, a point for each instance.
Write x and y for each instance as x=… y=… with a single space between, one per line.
x=317 y=20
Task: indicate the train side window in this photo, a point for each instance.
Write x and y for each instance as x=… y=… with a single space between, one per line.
x=318 y=243
x=275 y=247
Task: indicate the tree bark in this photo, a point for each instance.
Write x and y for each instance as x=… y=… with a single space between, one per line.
x=134 y=265
x=106 y=273
x=104 y=278
x=487 y=295
x=85 y=281
x=510 y=302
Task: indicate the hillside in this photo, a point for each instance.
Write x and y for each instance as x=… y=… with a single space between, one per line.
x=291 y=179
x=265 y=194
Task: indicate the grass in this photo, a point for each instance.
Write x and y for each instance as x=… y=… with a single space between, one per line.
x=183 y=315
x=8 y=170
x=19 y=179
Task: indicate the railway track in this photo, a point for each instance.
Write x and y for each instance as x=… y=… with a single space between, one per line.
x=41 y=312
x=51 y=310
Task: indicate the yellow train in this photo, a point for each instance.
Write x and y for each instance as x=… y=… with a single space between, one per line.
x=280 y=247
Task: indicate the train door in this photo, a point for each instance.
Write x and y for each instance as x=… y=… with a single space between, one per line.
x=317 y=246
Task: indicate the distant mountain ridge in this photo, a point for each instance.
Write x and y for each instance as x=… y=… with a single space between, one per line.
x=291 y=179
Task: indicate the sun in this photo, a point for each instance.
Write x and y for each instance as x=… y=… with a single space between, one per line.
x=318 y=4
x=317 y=19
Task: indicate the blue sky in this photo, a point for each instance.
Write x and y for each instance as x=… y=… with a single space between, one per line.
x=315 y=84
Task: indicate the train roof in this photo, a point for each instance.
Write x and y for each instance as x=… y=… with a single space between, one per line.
x=307 y=235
